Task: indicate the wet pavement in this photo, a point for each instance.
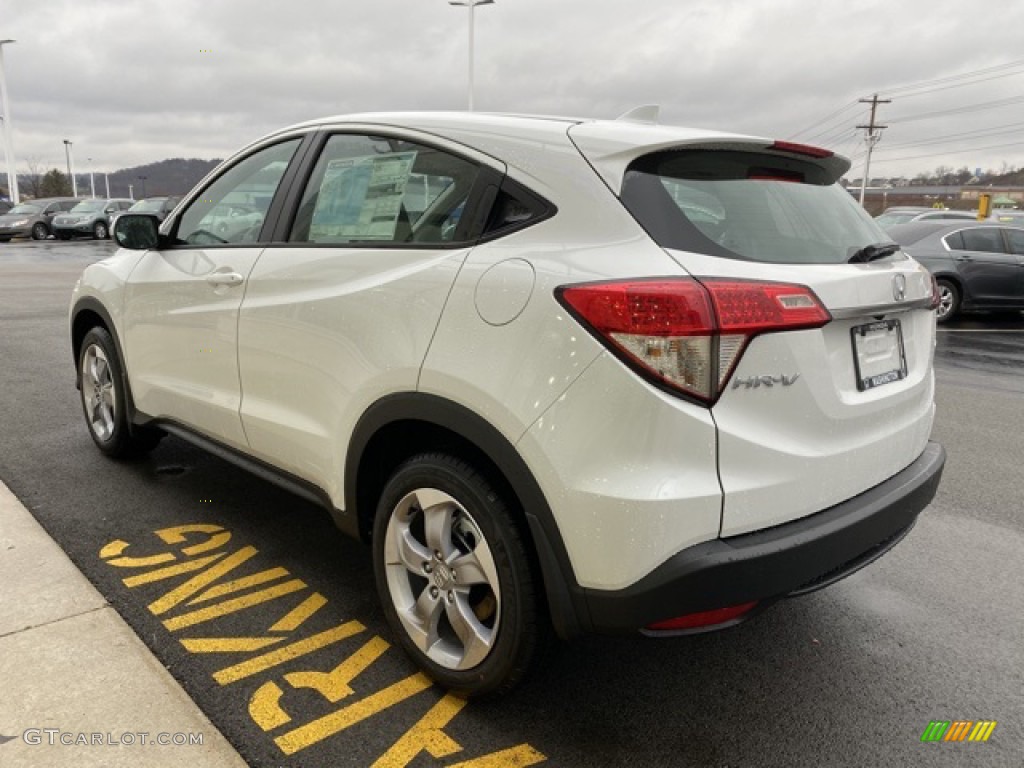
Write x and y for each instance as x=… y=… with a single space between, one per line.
x=295 y=666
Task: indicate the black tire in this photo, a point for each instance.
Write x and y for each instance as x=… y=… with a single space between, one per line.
x=104 y=399
x=5 y=239
x=40 y=231
x=949 y=301
x=481 y=530
x=100 y=231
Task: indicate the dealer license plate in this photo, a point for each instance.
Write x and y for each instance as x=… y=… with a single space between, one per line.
x=878 y=353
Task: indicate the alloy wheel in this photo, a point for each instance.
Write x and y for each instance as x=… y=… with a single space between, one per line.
x=442 y=579
x=98 y=393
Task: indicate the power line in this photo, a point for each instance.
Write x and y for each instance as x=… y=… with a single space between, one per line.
x=959 y=85
x=962 y=152
x=838 y=112
x=936 y=81
x=978 y=134
x=959 y=110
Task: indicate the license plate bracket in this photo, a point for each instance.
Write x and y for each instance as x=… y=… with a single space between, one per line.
x=878 y=353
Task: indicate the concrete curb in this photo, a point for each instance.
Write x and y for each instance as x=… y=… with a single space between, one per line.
x=79 y=687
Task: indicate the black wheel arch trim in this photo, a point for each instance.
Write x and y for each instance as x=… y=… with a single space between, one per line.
x=90 y=304
x=566 y=599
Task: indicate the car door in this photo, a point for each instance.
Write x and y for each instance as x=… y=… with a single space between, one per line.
x=181 y=302
x=343 y=311
x=989 y=271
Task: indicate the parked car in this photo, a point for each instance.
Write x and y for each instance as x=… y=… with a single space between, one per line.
x=231 y=221
x=1009 y=215
x=154 y=206
x=905 y=214
x=977 y=265
x=558 y=397
x=33 y=218
x=5 y=206
x=90 y=218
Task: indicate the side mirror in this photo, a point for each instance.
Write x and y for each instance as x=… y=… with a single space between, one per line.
x=137 y=231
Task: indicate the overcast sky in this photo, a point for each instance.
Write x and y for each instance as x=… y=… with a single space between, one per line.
x=137 y=81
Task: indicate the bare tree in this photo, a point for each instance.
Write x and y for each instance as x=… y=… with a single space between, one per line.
x=31 y=183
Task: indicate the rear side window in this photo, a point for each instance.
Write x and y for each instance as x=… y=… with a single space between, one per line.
x=383 y=190
x=984 y=239
x=746 y=205
x=1016 y=239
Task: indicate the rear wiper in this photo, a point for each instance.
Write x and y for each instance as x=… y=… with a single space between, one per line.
x=872 y=252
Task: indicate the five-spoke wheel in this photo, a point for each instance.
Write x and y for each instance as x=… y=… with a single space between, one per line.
x=453 y=575
x=104 y=399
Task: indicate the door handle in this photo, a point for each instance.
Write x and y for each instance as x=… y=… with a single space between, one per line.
x=225 y=278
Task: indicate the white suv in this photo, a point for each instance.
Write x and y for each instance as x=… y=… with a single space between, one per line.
x=588 y=375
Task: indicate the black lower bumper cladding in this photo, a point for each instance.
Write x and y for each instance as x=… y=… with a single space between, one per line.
x=789 y=559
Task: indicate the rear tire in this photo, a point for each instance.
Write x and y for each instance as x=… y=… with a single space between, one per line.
x=104 y=399
x=454 y=577
x=949 y=301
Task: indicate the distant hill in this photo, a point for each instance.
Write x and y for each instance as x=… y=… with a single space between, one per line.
x=167 y=177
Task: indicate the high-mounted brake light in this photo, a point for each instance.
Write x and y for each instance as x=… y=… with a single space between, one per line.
x=686 y=335
x=801 y=149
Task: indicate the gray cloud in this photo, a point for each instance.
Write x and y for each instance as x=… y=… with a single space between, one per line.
x=134 y=82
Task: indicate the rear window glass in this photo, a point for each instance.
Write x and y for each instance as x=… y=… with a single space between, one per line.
x=747 y=205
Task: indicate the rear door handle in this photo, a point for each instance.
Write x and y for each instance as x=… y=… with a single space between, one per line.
x=225 y=278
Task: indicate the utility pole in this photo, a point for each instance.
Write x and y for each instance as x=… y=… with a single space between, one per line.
x=872 y=138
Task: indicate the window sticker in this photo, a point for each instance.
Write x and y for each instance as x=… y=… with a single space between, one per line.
x=361 y=197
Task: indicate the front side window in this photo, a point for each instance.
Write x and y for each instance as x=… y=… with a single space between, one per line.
x=747 y=205
x=375 y=189
x=233 y=208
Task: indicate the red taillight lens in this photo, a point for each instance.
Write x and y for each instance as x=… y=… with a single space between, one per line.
x=704 y=618
x=685 y=334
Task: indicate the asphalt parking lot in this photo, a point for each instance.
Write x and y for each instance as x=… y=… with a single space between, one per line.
x=276 y=633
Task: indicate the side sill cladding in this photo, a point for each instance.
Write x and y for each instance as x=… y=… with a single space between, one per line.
x=566 y=600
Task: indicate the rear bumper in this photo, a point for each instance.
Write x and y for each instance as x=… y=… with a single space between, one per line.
x=789 y=559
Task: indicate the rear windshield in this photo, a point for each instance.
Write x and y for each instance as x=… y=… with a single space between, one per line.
x=746 y=205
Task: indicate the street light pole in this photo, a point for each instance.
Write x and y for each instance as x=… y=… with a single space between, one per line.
x=471 y=4
x=71 y=167
x=92 y=180
x=12 y=175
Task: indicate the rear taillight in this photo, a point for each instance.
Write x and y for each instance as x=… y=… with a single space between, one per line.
x=688 y=335
x=936 y=298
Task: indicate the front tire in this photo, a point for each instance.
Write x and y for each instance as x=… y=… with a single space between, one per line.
x=40 y=231
x=454 y=577
x=99 y=231
x=949 y=301
x=104 y=399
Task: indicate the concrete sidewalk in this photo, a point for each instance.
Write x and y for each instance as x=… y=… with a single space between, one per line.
x=79 y=688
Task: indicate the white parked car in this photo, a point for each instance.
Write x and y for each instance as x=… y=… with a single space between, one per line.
x=609 y=376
